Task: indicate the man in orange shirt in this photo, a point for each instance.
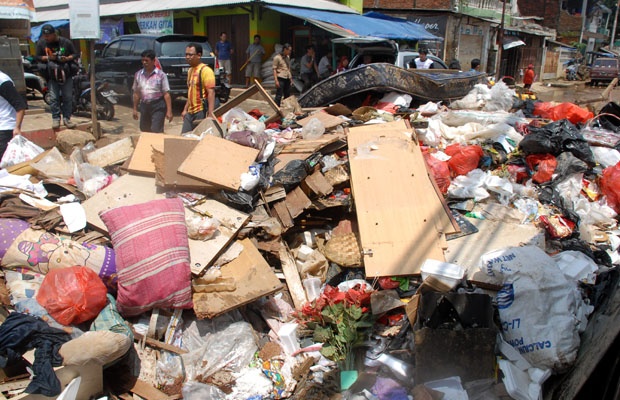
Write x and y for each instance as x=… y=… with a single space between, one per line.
x=200 y=80
x=528 y=78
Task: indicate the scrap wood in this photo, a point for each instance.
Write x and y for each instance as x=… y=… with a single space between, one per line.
x=400 y=218
x=175 y=152
x=141 y=161
x=248 y=93
x=156 y=344
x=144 y=390
x=296 y=202
x=327 y=120
x=293 y=280
x=114 y=153
x=311 y=146
x=316 y=184
x=253 y=278
x=219 y=162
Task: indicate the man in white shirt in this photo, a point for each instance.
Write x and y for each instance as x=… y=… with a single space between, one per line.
x=325 y=66
x=422 y=62
x=12 y=111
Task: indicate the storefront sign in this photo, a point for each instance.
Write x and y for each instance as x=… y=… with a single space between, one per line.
x=160 y=22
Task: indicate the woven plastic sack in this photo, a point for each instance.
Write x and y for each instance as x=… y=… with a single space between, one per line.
x=344 y=250
x=72 y=295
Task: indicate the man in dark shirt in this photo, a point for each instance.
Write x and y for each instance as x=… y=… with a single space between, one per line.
x=12 y=110
x=58 y=54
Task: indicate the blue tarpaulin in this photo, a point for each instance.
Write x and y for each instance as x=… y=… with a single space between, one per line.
x=377 y=25
x=35 y=31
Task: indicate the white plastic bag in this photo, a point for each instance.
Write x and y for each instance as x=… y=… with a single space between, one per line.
x=314 y=129
x=538 y=306
x=18 y=150
x=54 y=165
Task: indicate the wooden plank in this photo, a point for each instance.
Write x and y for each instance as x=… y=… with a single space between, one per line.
x=253 y=279
x=111 y=154
x=310 y=146
x=274 y=193
x=397 y=208
x=218 y=161
x=281 y=211
x=141 y=162
x=176 y=151
x=247 y=94
x=317 y=184
x=296 y=202
x=156 y=344
x=293 y=281
x=146 y=391
x=208 y=126
x=329 y=121
x=204 y=253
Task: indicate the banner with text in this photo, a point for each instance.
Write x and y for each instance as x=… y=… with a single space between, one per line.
x=160 y=22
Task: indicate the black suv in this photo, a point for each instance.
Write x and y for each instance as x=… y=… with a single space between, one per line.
x=120 y=60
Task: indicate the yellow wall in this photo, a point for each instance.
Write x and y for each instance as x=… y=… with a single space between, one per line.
x=357 y=5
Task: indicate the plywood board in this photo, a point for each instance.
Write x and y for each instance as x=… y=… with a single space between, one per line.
x=397 y=209
x=328 y=121
x=204 y=253
x=317 y=184
x=114 y=153
x=247 y=94
x=253 y=279
x=141 y=162
x=293 y=281
x=296 y=202
x=218 y=161
x=176 y=151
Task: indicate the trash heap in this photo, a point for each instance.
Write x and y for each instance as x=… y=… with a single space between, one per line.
x=375 y=253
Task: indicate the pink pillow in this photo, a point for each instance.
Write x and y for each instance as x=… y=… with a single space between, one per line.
x=152 y=255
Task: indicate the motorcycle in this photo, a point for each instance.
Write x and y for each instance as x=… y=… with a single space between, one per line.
x=105 y=97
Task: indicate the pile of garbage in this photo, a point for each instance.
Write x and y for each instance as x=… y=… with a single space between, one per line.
x=374 y=253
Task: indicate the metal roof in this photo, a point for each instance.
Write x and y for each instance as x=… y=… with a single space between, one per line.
x=48 y=10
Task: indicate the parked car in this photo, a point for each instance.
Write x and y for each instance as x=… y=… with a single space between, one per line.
x=383 y=50
x=121 y=58
x=604 y=70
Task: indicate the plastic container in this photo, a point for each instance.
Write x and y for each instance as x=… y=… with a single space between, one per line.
x=288 y=338
x=313 y=288
x=449 y=274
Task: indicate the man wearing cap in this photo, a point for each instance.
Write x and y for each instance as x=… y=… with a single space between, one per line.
x=57 y=54
x=528 y=78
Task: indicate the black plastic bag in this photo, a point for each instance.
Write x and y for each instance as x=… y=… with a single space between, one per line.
x=556 y=138
x=568 y=165
x=291 y=175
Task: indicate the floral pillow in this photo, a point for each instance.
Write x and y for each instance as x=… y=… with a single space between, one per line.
x=152 y=255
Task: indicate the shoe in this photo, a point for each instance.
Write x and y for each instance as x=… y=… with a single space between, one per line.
x=55 y=124
x=69 y=124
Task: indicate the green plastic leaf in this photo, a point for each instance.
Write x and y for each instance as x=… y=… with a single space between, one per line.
x=322 y=334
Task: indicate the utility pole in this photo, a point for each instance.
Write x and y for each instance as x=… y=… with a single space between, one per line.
x=613 y=30
x=584 y=6
x=500 y=40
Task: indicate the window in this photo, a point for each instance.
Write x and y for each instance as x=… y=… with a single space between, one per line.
x=125 y=48
x=112 y=49
x=141 y=44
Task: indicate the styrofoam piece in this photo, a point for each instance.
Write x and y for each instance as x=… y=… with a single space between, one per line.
x=313 y=288
x=448 y=273
x=71 y=390
x=451 y=388
x=576 y=266
x=288 y=337
x=303 y=252
x=517 y=382
x=538 y=375
x=513 y=355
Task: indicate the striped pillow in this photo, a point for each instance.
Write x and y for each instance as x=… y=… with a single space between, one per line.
x=152 y=255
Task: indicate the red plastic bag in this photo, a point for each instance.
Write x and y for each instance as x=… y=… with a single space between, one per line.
x=544 y=166
x=558 y=226
x=440 y=170
x=464 y=158
x=569 y=111
x=72 y=295
x=610 y=186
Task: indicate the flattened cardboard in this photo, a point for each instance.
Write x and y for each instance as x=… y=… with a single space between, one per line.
x=253 y=278
x=141 y=162
x=218 y=161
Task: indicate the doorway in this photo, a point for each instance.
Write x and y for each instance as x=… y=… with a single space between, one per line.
x=238 y=32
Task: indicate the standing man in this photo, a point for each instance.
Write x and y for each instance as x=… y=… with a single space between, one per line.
x=151 y=91
x=282 y=73
x=200 y=80
x=57 y=53
x=255 y=53
x=309 y=69
x=12 y=110
x=223 y=51
x=529 y=76
x=475 y=65
x=422 y=62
